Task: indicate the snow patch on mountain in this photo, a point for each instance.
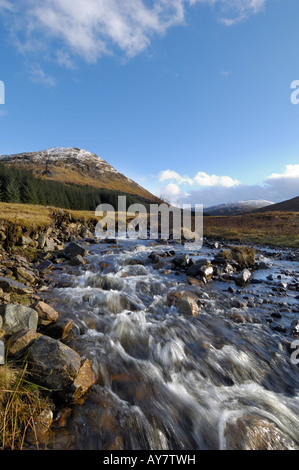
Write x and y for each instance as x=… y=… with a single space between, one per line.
x=55 y=154
x=236 y=207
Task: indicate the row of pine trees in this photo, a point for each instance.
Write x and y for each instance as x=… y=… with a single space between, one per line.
x=21 y=186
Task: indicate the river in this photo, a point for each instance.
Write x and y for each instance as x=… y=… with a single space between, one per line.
x=223 y=379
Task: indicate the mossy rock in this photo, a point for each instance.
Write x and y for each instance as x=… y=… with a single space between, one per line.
x=243 y=256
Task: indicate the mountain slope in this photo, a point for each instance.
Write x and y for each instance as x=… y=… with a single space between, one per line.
x=236 y=208
x=290 y=205
x=76 y=166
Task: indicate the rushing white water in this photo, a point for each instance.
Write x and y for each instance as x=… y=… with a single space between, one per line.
x=166 y=380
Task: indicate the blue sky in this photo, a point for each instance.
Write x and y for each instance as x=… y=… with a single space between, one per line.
x=191 y=98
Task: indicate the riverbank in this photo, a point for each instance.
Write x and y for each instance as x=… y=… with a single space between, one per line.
x=37 y=364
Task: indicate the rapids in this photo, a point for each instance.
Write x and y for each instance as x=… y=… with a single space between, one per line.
x=168 y=381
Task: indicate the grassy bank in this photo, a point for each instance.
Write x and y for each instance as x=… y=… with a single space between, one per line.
x=34 y=216
x=279 y=229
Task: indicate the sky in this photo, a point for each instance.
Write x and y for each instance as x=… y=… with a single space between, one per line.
x=196 y=100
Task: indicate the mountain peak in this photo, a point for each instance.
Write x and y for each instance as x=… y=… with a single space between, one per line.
x=76 y=166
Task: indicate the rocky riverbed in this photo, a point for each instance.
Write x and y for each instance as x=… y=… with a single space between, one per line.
x=155 y=344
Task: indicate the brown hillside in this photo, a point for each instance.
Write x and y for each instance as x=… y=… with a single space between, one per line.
x=291 y=205
x=76 y=166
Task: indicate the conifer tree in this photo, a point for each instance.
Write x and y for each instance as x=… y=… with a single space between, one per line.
x=12 y=190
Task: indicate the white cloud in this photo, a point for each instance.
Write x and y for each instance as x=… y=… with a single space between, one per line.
x=173 y=175
x=211 y=190
x=203 y=179
x=291 y=171
x=92 y=28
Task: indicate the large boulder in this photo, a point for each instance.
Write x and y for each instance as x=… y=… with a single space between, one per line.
x=17 y=318
x=72 y=250
x=53 y=364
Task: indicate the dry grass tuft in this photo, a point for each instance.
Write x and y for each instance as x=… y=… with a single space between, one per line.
x=22 y=411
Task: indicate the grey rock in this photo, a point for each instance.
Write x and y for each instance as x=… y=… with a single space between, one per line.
x=17 y=318
x=24 y=274
x=49 y=245
x=187 y=305
x=237 y=303
x=25 y=240
x=42 y=240
x=9 y=285
x=53 y=364
x=72 y=250
x=181 y=260
x=45 y=265
x=196 y=267
x=243 y=277
x=206 y=272
x=282 y=285
x=262 y=265
x=78 y=260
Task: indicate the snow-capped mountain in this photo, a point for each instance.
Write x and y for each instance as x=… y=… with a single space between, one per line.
x=72 y=165
x=236 y=207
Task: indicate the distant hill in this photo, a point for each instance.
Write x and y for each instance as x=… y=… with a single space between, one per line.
x=236 y=208
x=291 y=205
x=78 y=167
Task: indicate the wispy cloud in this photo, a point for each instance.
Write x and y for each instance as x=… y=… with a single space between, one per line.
x=234 y=11
x=93 y=28
x=64 y=59
x=6 y=5
x=39 y=76
x=225 y=73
